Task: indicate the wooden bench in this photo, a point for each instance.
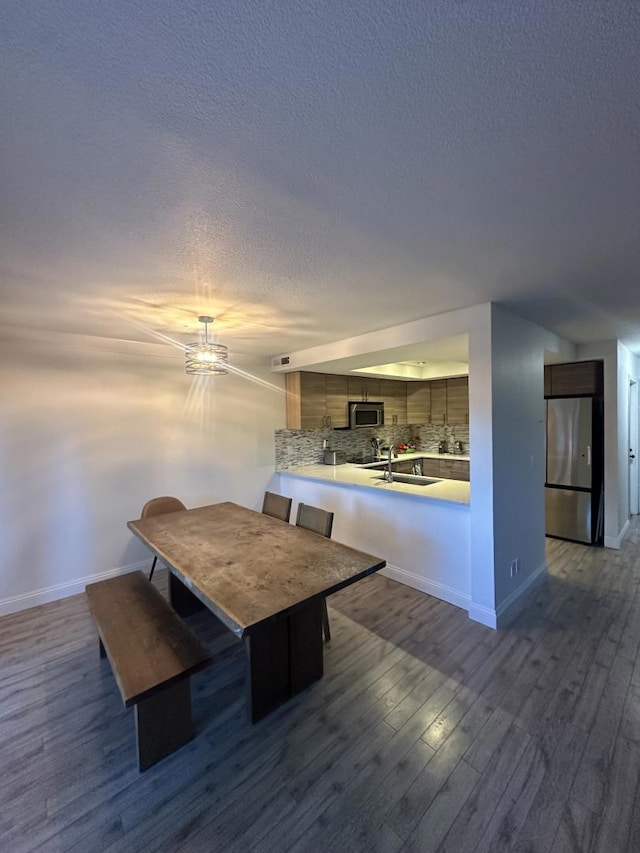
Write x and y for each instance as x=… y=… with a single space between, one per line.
x=152 y=654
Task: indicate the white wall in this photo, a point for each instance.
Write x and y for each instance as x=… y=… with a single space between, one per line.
x=506 y=397
x=627 y=369
x=426 y=543
x=482 y=555
x=91 y=430
x=619 y=365
x=518 y=451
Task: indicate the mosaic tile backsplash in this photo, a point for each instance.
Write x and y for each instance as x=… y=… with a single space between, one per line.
x=304 y=447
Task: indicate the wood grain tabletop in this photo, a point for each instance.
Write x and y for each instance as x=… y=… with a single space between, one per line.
x=247 y=567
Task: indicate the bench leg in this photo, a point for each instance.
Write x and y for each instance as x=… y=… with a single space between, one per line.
x=163 y=723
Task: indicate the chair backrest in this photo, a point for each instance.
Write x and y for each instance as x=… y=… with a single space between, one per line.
x=158 y=506
x=277 y=506
x=314 y=519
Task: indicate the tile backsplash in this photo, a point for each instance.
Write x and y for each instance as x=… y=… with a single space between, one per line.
x=304 y=447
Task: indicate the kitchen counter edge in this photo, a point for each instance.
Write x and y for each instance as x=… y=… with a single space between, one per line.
x=350 y=475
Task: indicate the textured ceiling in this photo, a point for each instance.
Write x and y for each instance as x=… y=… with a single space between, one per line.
x=308 y=171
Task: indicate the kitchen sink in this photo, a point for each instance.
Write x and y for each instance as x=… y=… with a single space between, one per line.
x=411 y=479
x=403 y=466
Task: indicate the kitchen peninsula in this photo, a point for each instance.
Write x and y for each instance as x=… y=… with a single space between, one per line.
x=423 y=531
x=422 y=524
x=370 y=478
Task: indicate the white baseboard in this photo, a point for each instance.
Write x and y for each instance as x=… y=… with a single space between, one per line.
x=438 y=590
x=478 y=613
x=511 y=606
x=63 y=590
x=483 y=615
x=615 y=541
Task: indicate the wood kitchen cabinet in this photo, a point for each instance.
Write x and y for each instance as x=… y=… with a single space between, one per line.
x=320 y=400
x=316 y=400
x=337 y=400
x=450 y=401
x=580 y=377
x=393 y=393
x=454 y=469
x=458 y=400
x=448 y=469
x=419 y=402
x=439 y=401
x=364 y=388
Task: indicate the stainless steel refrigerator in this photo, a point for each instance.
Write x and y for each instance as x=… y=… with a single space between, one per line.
x=573 y=488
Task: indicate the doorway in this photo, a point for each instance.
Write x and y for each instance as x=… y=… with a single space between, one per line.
x=632 y=446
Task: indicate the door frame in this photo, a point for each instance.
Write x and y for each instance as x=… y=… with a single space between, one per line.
x=633 y=429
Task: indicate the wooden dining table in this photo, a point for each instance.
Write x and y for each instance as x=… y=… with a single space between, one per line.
x=265 y=580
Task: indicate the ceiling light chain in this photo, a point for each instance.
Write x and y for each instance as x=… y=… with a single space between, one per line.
x=206 y=359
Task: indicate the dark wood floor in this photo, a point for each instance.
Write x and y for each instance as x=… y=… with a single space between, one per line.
x=428 y=732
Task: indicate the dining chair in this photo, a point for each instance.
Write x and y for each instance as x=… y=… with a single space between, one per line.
x=277 y=506
x=317 y=521
x=160 y=506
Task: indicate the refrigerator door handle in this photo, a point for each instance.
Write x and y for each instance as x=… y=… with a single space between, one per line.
x=589 y=455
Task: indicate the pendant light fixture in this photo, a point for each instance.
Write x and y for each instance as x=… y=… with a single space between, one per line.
x=206 y=359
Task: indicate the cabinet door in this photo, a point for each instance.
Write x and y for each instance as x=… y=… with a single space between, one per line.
x=313 y=401
x=439 y=401
x=547 y=380
x=364 y=388
x=582 y=377
x=393 y=393
x=460 y=470
x=454 y=469
x=418 y=402
x=431 y=467
x=337 y=400
x=458 y=400
x=446 y=469
x=292 y=399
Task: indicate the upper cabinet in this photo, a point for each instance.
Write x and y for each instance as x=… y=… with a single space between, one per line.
x=450 y=401
x=337 y=400
x=458 y=400
x=393 y=393
x=316 y=400
x=439 y=401
x=319 y=400
x=364 y=389
x=419 y=402
x=580 y=377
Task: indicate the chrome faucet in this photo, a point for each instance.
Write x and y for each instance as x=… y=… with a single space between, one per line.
x=388 y=474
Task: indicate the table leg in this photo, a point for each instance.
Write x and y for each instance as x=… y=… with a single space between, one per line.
x=305 y=647
x=283 y=658
x=267 y=684
x=183 y=601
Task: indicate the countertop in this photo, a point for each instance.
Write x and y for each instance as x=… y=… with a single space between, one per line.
x=361 y=476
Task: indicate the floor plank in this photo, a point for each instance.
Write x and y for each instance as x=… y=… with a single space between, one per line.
x=427 y=732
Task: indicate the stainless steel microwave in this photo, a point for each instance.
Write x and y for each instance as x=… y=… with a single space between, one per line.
x=366 y=415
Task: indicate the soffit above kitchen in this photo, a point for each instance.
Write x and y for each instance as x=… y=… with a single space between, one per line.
x=434 y=359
